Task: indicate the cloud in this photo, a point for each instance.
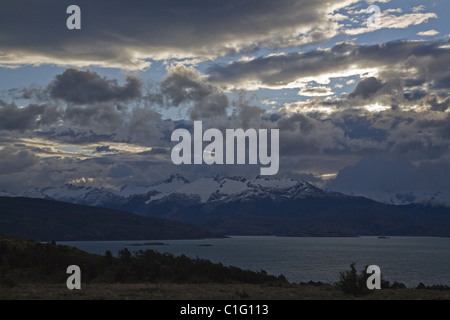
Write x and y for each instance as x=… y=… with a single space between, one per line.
x=83 y=87
x=413 y=135
x=400 y=61
x=366 y=88
x=315 y=91
x=185 y=85
x=99 y=118
x=390 y=21
x=418 y=9
x=301 y=135
x=14 y=160
x=128 y=35
x=33 y=92
x=377 y=1
x=157 y=151
x=120 y=171
x=104 y=149
x=146 y=126
x=374 y=175
x=428 y=33
x=395 y=177
x=15 y=118
x=437 y=105
x=404 y=83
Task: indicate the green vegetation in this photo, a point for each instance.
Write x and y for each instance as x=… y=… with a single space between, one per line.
x=23 y=261
x=352 y=283
x=31 y=270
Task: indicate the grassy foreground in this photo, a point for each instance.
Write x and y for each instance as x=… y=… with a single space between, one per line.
x=209 y=291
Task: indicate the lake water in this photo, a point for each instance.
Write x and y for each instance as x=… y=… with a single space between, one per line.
x=409 y=260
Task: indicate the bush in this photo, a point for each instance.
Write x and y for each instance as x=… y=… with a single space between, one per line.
x=439 y=287
x=350 y=282
x=397 y=285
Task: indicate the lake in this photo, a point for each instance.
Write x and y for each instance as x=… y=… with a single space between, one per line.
x=410 y=260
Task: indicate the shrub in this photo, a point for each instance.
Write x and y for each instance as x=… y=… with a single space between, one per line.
x=350 y=282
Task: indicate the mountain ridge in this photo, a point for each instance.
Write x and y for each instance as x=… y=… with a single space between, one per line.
x=261 y=206
x=47 y=220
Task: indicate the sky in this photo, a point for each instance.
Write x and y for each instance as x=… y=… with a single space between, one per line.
x=362 y=108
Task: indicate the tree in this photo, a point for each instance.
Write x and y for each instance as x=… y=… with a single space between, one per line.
x=125 y=255
x=352 y=283
x=109 y=257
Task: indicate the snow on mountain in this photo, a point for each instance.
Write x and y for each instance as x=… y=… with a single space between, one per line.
x=131 y=190
x=208 y=190
x=237 y=188
x=164 y=187
x=201 y=187
x=275 y=184
x=98 y=196
x=409 y=197
x=177 y=187
x=73 y=194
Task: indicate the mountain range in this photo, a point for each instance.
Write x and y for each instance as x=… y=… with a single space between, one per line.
x=260 y=206
x=47 y=220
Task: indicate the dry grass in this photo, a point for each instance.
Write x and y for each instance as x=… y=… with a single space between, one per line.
x=145 y=291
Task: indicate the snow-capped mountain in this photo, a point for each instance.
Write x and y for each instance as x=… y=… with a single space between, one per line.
x=407 y=197
x=102 y=196
x=177 y=189
x=260 y=206
x=205 y=190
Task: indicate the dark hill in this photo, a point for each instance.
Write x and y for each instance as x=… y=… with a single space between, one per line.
x=328 y=215
x=44 y=220
x=24 y=261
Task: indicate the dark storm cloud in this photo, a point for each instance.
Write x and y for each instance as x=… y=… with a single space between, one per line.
x=16 y=118
x=443 y=83
x=249 y=114
x=394 y=176
x=416 y=95
x=96 y=117
x=372 y=174
x=125 y=33
x=416 y=136
x=439 y=106
x=120 y=171
x=441 y=125
x=301 y=134
x=13 y=160
x=83 y=87
x=77 y=135
x=18 y=169
x=422 y=60
x=101 y=149
x=246 y=115
x=366 y=88
x=146 y=126
x=33 y=92
x=184 y=85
